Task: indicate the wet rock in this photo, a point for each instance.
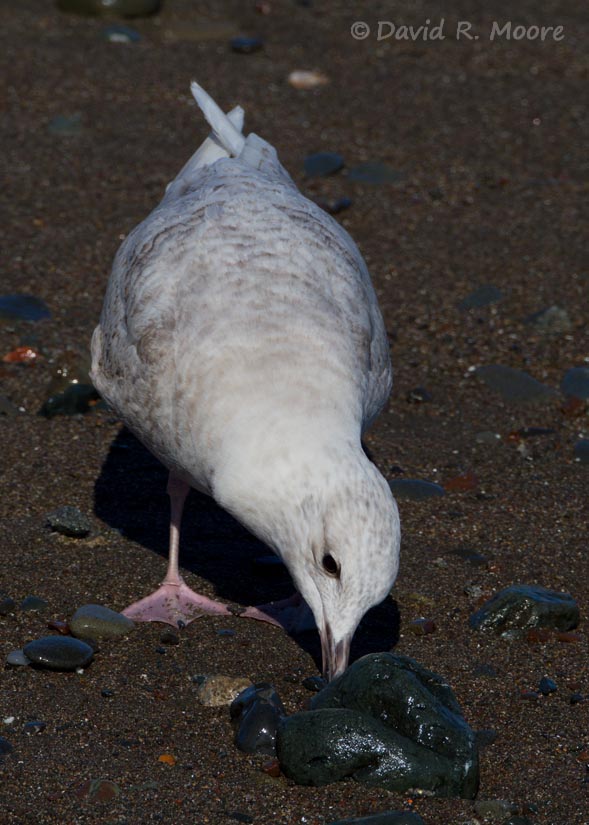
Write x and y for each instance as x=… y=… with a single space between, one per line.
x=547 y=686
x=582 y=451
x=34 y=727
x=122 y=8
x=75 y=399
x=386 y=722
x=419 y=395
x=69 y=521
x=496 y=810
x=169 y=637
x=94 y=621
x=514 y=610
x=66 y=125
x=121 y=34
x=23 y=308
x=17 y=658
x=246 y=45
x=58 y=653
x=33 y=604
x=514 y=385
x=385 y=818
x=307 y=79
x=415 y=489
x=375 y=172
x=575 y=383
x=98 y=790
x=217 y=690
x=7 y=604
x=6 y=747
x=314 y=683
x=322 y=164
x=481 y=297
x=552 y=320
x=257 y=712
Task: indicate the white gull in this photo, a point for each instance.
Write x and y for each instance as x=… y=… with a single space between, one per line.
x=242 y=342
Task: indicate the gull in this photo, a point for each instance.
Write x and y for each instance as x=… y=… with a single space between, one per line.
x=241 y=341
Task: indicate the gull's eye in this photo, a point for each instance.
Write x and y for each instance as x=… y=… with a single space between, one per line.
x=330 y=566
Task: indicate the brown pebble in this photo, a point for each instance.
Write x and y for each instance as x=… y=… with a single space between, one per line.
x=568 y=637
x=421 y=627
x=272 y=768
x=531 y=695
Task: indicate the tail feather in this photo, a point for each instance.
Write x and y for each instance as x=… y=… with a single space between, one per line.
x=224 y=130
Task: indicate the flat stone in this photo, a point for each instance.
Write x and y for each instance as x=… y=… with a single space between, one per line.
x=515 y=385
x=33 y=604
x=552 y=320
x=415 y=489
x=385 y=818
x=58 y=653
x=256 y=712
x=582 y=451
x=481 y=297
x=69 y=521
x=17 y=658
x=575 y=383
x=323 y=164
x=217 y=690
x=23 y=308
x=375 y=172
x=93 y=621
x=514 y=610
x=386 y=722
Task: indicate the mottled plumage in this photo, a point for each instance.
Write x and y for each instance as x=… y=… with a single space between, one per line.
x=242 y=342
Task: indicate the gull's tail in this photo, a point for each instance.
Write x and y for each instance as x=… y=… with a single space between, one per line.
x=226 y=130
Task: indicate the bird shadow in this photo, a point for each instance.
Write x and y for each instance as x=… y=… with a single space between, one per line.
x=130 y=496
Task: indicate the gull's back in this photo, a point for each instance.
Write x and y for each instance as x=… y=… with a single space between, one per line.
x=237 y=315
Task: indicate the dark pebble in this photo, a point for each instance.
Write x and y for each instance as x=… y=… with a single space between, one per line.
x=387 y=722
x=582 y=451
x=66 y=125
x=421 y=627
x=121 y=34
x=576 y=698
x=520 y=607
x=323 y=164
x=485 y=670
x=314 y=683
x=36 y=726
x=415 y=489
x=385 y=818
x=75 y=399
x=547 y=686
x=419 y=395
x=59 y=653
x=225 y=632
x=246 y=45
x=69 y=521
x=471 y=556
x=257 y=711
x=375 y=172
x=33 y=604
x=238 y=816
x=481 y=297
x=514 y=385
x=576 y=383
x=107 y=693
x=168 y=637
x=7 y=605
x=5 y=747
x=529 y=695
x=23 y=308
x=335 y=207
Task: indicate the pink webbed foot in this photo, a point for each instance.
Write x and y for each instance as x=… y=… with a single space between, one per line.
x=174 y=604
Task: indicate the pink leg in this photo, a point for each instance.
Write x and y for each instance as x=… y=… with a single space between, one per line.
x=177 y=604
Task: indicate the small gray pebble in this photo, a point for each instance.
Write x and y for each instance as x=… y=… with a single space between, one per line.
x=17 y=658
x=69 y=521
x=33 y=604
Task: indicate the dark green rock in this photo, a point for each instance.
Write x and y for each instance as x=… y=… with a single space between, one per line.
x=386 y=722
x=481 y=297
x=414 y=489
x=69 y=521
x=576 y=382
x=94 y=621
x=323 y=164
x=33 y=604
x=5 y=747
x=22 y=308
x=75 y=399
x=514 y=385
x=520 y=607
x=58 y=653
x=385 y=818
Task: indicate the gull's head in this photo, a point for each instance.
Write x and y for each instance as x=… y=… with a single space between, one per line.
x=350 y=560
